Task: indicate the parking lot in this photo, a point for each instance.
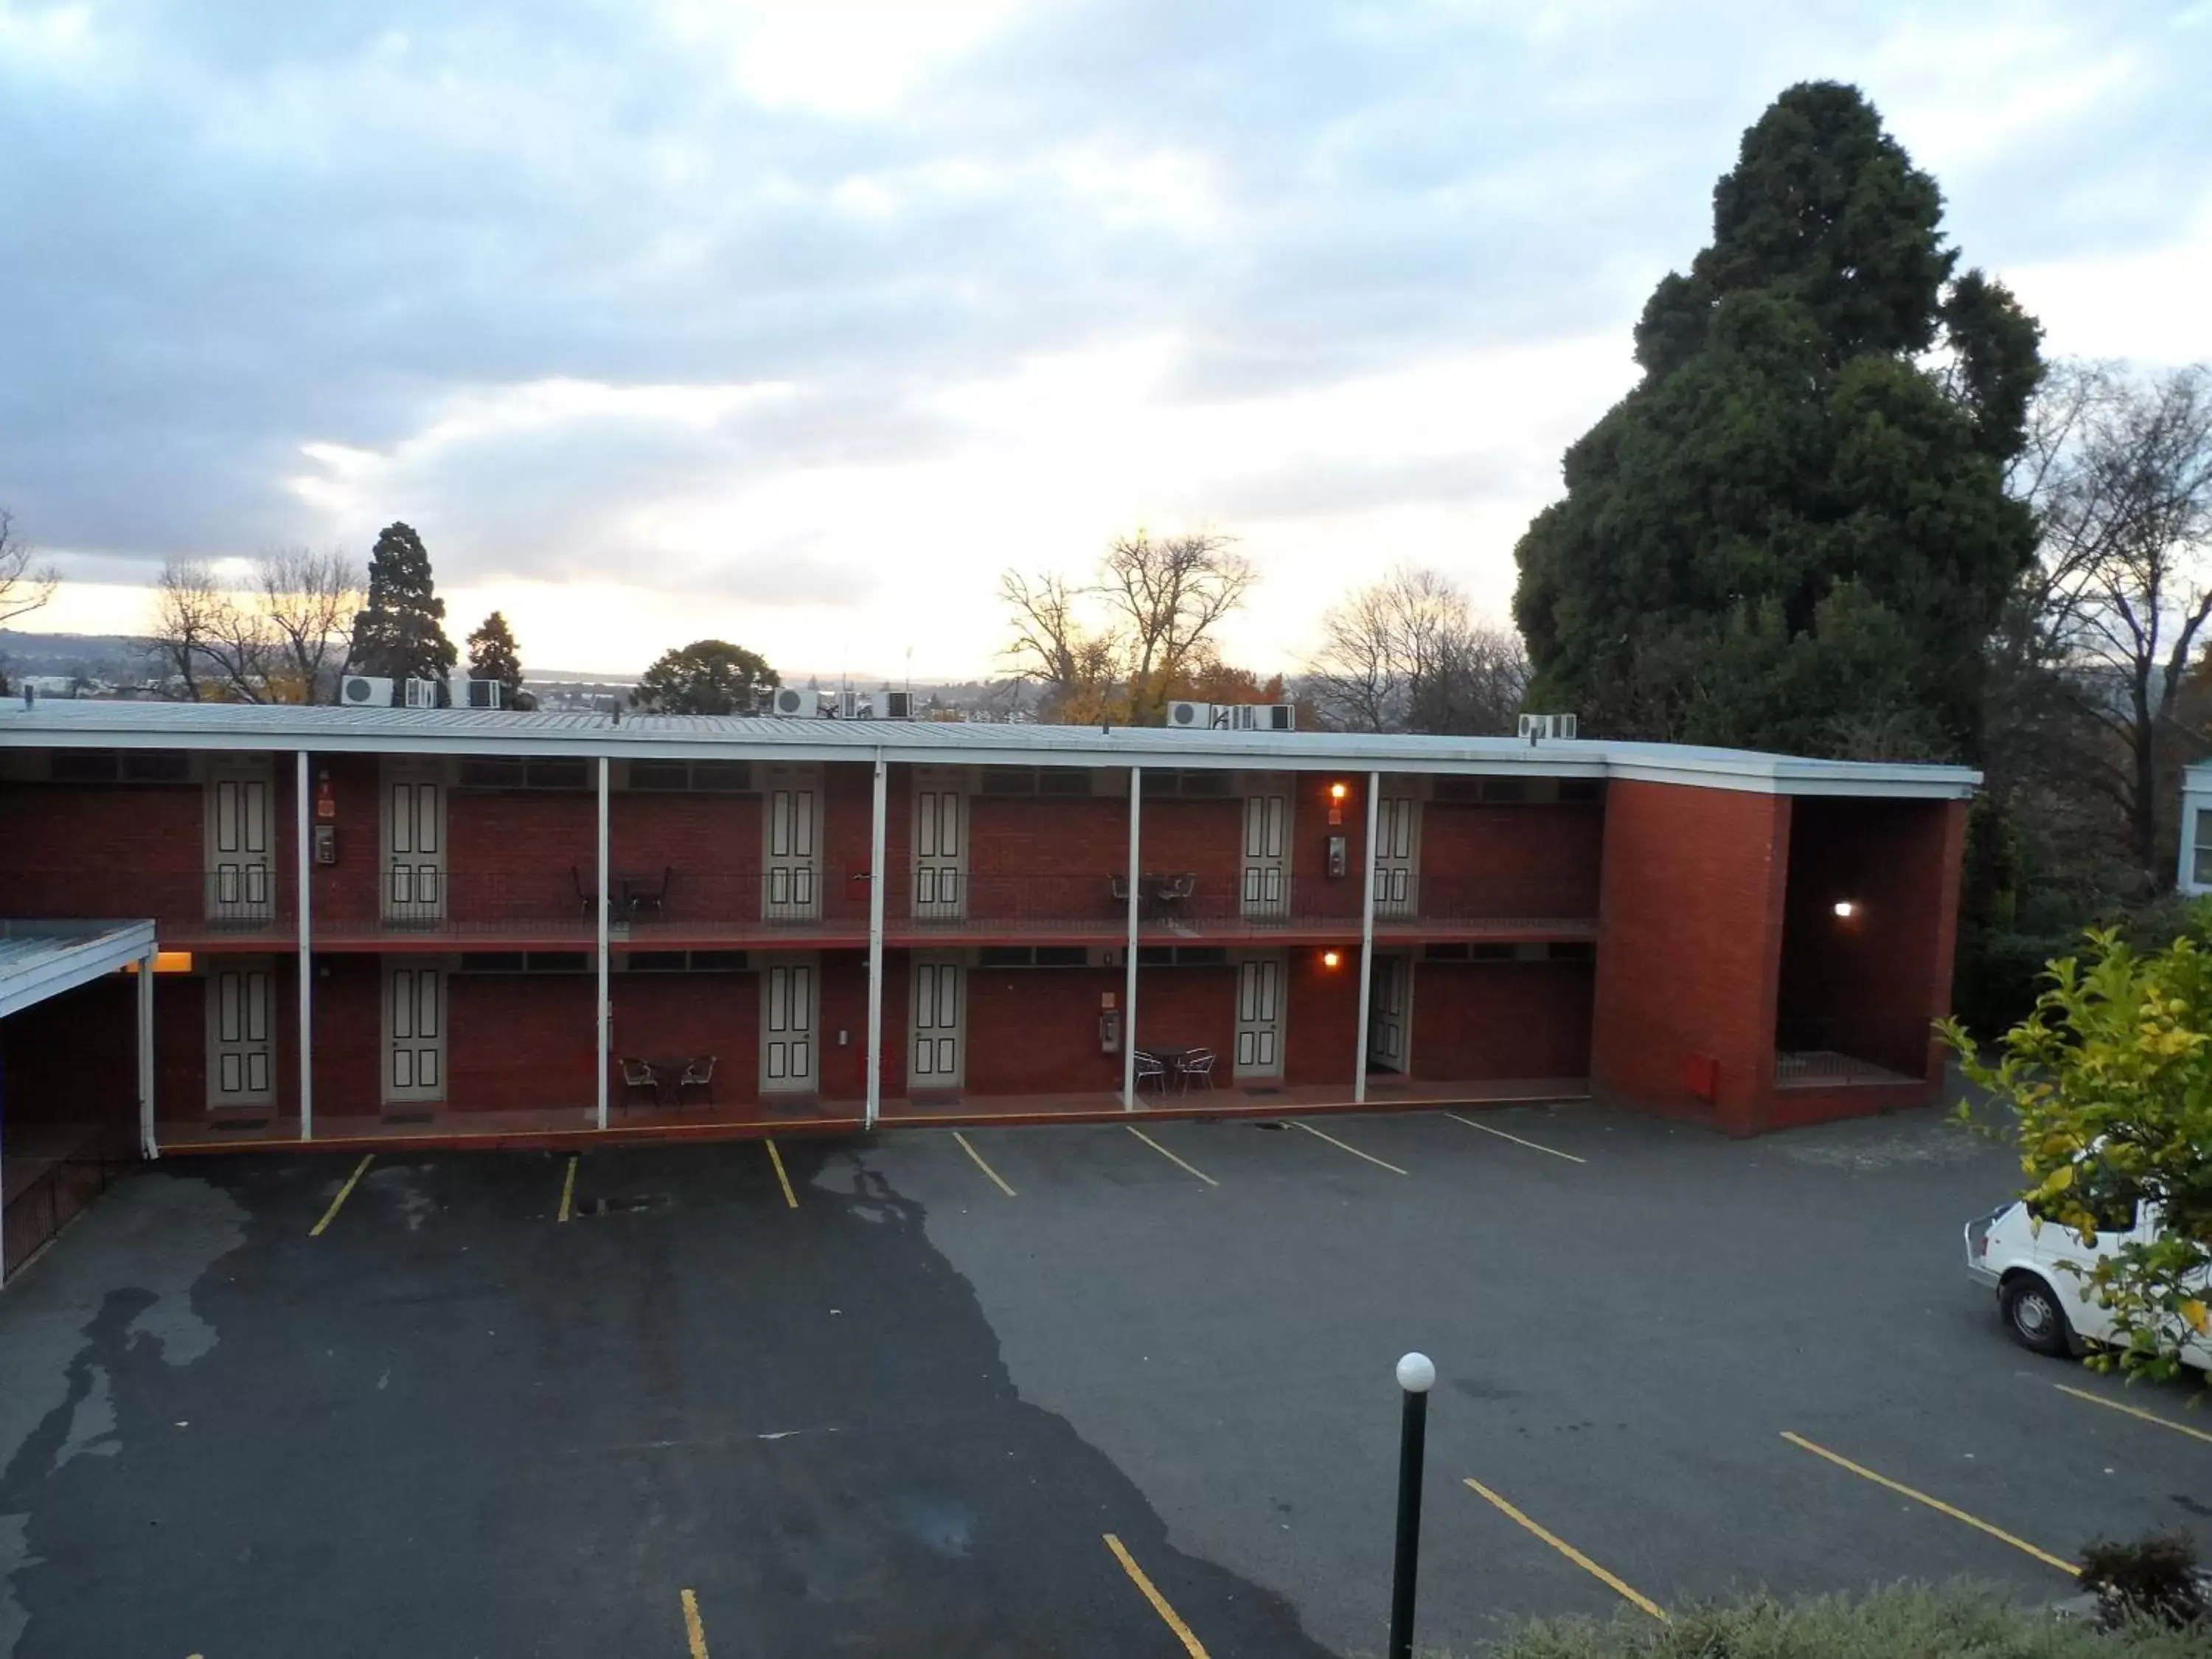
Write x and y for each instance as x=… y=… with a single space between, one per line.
x=1109 y=1389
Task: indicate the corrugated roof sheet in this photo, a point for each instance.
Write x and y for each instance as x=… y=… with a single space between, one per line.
x=42 y=959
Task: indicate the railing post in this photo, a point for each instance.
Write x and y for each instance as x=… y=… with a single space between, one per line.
x=878 y=841
x=1417 y=1374
x=303 y=859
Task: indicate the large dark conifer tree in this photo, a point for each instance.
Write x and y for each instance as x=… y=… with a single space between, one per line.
x=1793 y=533
x=401 y=630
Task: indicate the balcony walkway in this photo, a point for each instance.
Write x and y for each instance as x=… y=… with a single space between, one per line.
x=557 y=1127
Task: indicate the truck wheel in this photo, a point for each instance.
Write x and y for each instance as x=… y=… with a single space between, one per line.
x=2034 y=1316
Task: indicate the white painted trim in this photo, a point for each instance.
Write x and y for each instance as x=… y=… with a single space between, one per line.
x=606 y=1022
x=148 y=1145
x=878 y=850
x=1129 y=964
x=303 y=837
x=1367 y=935
x=2193 y=802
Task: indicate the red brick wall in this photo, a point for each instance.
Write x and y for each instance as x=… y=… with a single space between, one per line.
x=347 y=891
x=349 y=1036
x=1035 y=1031
x=680 y=1016
x=73 y=1059
x=843 y=1006
x=1870 y=985
x=1532 y=860
x=519 y=1041
x=1187 y=1008
x=848 y=827
x=1479 y=1020
x=1321 y=1018
x=1689 y=946
x=516 y=855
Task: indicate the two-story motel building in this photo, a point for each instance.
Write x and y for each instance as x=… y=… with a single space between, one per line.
x=380 y=925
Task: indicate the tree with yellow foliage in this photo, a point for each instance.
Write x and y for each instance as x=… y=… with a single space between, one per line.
x=2110 y=1084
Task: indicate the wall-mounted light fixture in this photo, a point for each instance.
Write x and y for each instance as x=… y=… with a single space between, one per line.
x=1332 y=959
x=1847 y=909
x=1337 y=791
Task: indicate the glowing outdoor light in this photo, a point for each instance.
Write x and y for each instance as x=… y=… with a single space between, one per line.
x=1331 y=959
x=1847 y=909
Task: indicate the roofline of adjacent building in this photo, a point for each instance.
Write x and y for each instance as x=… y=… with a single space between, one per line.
x=324 y=730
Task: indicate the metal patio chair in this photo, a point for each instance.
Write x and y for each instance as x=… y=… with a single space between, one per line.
x=1150 y=1070
x=1197 y=1068
x=698 y=1074
x=637 y=1075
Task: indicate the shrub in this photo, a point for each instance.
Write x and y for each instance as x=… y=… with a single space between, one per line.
x=1903 y=1622
x=2153 y=1577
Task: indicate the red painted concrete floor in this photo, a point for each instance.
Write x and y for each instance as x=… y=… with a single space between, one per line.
x=561 y=1126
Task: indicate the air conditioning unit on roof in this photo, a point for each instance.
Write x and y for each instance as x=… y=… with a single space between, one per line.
x=421 y=694
x=484 y=693
x=1190 y=716
x=365 y=691
x=1538 y=727
x=1263 y=716
x=897 y=705
x=795 y=702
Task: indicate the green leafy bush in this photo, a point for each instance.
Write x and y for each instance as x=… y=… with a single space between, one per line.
x=1905 y=1622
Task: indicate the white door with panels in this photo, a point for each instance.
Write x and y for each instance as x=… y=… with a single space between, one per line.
x=413 y=837
x=414 y=1030
x=241 y=1049
x=1266 y=866
x=1260 y=1015
x=789 y=1050
x=940 y=1024
x=1397 y=855
x=1390 y=1014
x=941 y=845
x=792 y=844
x=238 y=874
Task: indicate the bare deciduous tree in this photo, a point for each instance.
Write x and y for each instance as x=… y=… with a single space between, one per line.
x=1406 y=655
x=23 y=587
x=1150 y=621
x=2119 y=470
x=185 y=601
x=309 y=600
x=1170 y=593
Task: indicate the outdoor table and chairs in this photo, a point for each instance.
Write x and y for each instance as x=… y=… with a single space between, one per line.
x=1160 y=894
x=662 y=1080
x=1181 y=1069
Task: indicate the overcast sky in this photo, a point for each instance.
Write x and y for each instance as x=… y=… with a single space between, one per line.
x=796 y=323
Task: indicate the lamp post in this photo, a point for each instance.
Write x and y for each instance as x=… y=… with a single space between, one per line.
x=1417 y=1374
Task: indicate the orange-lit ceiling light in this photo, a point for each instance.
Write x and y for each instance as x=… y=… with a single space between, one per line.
x=1332 y=959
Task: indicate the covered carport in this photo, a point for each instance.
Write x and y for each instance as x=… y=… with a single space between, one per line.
x=75 y=1109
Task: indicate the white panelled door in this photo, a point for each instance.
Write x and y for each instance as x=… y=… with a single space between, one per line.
x=414 y=841
x=238 y=843
x=241 y=1067
x=1260 y=1015
x=414 y=1030
x=940 y=1021
x=787 y=1037
x=941 y=845
x=1389 y=1014
x=1397 y=855
x=1267 y=861
x=791 y=842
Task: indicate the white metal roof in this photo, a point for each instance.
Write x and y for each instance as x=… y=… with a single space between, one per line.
x=83 y=723
x=42 y=959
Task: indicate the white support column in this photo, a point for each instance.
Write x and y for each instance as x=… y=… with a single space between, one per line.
x=147 y=1145
x=606 y=993
x=1129 y=977
x=303 y=837
x=1367 y=934
x=878 y=881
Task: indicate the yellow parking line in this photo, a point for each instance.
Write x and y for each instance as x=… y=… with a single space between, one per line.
x=2132 y=1411
x=1572 y=1554
x=996 y=1178
x=344 y=1193
x=694 y=1630
x=1515 y=1140
x=782 y=1180
x=1936 y=1504
x=567 y=1191
x=1191 y=1644
x=1169 y=1156
x=1340 y=1147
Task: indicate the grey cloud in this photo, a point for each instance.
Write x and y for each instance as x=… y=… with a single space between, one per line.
x=263 y=224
